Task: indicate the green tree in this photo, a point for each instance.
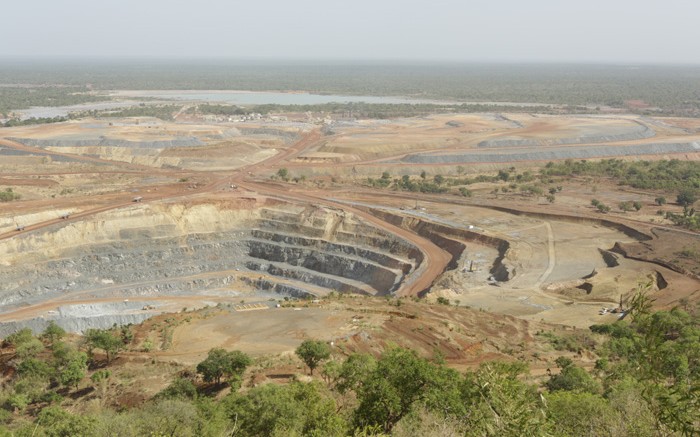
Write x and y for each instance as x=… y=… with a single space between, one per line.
x=661 y=200
x=100 y=376
x=603 y=208
x=34 y=368
x=53 y=333
x=169 y=417
x=73 y=370
x=297 y=409
x=354 y=372
x=687 y=197
x=439 y=179
x=57 y=422
x=582 y=414
x=572 y=378
x=312 y=352
x=400 y=381
x=29 y=348
x=220 y=363
x=180 y=388
x=660 y=353
x=104 y=339
x=500 y=404
x=283 y=174
x=625 y=206
x=22 y=336
x=61 y=352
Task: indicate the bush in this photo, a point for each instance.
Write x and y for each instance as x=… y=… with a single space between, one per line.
x=312 y=352
x=603 y=208
x=181 y=388
x=8 y=195
x=220 y=363
x=687 y=197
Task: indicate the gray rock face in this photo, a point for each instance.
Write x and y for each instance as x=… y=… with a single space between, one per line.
x=128 y=268
x=80 y=317
x=74 y=324
x=638 y=132
x=297 y=254
x=110 y=142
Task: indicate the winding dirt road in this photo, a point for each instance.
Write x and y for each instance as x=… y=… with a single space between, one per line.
x=435 y=259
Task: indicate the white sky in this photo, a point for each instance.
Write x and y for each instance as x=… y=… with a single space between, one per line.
x=649 y=31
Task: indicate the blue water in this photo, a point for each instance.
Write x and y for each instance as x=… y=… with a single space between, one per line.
x=262 y=98
x=235 y=98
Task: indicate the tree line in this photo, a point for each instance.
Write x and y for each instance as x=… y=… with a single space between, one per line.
x=644 y=382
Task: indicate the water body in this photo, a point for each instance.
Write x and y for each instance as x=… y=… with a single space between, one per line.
x=264 y=98
x=63 y=111
x=228 y=97
x=128 y=98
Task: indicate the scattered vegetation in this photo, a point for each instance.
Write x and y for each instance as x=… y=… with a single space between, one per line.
x=671 y=88
x=643 y=383
x=13 y=98
x=9 y=195
x=683 y=176
x=220 y=363
x=33 y=120
x=312 y=352
x=163 y=112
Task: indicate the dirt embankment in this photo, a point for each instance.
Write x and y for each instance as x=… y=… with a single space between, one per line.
x=625 y=229
x=451 y=239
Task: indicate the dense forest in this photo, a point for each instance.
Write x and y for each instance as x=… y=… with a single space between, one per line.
x=644 y=383
x=14 y=98
x=656 y=175
x=675 y=89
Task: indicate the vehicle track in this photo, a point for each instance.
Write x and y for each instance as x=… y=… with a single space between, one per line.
x=434 y=263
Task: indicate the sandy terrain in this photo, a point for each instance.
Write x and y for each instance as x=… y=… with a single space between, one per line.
x=210 y=226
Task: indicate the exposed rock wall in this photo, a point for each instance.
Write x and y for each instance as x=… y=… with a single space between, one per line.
x=176 y=250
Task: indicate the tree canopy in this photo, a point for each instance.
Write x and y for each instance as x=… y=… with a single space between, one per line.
x=220 y=363
x=312 y=352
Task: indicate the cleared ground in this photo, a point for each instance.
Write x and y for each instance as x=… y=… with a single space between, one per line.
x=498 y=138
x=172 y=215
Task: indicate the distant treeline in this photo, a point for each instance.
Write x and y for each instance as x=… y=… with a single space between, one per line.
x=14 y=98
x=163 y=112
x=379 y=110
x=660 y=175
x=30 y=121
x=675 y=89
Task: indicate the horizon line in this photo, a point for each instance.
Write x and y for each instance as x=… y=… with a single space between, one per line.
x=334 y=60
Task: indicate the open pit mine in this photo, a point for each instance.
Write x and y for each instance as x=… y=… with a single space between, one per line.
x=122 y=220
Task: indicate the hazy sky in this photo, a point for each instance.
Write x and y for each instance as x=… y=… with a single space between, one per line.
x=468 y=30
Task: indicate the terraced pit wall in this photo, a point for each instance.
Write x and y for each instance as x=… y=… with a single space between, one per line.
x=450 y=239
x=208 y=249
